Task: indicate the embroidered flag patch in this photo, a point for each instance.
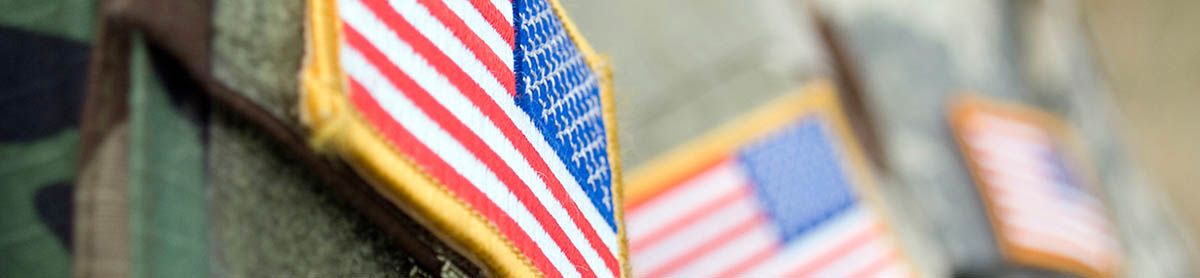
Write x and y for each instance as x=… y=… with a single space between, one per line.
x=783 y=192
x=1039 y=196
x=491 y=121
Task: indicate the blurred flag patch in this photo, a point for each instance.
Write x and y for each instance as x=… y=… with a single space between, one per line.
x=1036 y=188
x=776 y=194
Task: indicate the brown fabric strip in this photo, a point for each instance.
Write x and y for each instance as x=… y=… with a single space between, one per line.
x=101 y=229
x=106 y=101
x=849 y=83
x=101 y=235
x=181 y=27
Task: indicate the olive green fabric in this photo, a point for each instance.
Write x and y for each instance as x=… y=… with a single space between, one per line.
x=257 y=50
x=272 y=218
x=71 y=19
x=167 y=200
x=28 y=248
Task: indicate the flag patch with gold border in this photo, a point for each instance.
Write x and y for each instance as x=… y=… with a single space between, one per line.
x=490 y=121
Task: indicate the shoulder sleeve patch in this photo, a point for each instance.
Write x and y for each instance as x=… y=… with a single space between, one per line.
x=489 y=121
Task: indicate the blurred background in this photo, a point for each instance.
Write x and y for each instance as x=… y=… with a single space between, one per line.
x=91 y=84
x=1121 y=72
x=1151 y=65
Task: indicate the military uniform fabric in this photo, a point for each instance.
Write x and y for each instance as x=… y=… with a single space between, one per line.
x=44 y=49
x=712 y=60
x=273 y=218
x=909 y=64
x=913 y=61
x=185 y=35
x=142 y=208
x=256 y=52
x=1065 y=77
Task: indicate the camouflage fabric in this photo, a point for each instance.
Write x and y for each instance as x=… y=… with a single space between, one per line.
x=913 y=61
x=166 y=190
x=909 y=66
x=44 y=53
x=1065 y=77
x=35 y=185
x=68 y=19
x=183 y=157
x=142 y=210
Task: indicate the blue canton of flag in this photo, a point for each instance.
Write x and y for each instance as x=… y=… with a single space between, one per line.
x=798 y=177
x=559 y=91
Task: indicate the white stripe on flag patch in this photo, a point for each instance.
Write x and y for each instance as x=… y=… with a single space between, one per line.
x=481 y=27
x=856 y=262
x=805 y=249
x=850 y=244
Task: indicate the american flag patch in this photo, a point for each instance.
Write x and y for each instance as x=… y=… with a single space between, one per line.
x=496 y=102
x=774 y=195
x=1040 y=201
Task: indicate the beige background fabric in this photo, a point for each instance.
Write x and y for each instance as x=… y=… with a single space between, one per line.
x=683 y=67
